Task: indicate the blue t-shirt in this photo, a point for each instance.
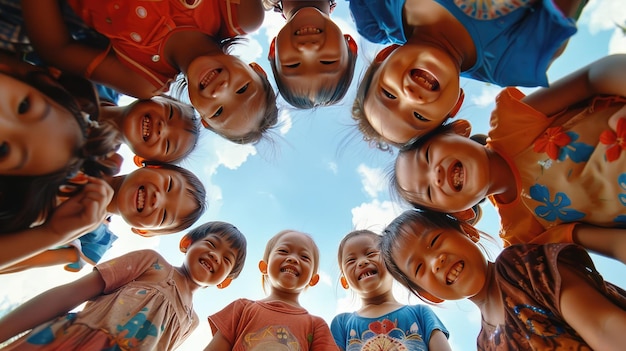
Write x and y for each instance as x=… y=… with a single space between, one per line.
x=408 y=326
x=514 y=40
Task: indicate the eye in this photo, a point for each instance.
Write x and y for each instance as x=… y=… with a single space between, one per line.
x=164 y=217
x=417 y=270
x=432 y=243
x=426 y=154
x=327 y=62
x=243 y=89
x=282 y=250
x=171 y=112
x=349 y=260
x=211 y=244
x=167 y=146
x=420 y=117
x=169 y=185
x=219 y=111
x=24 y=106
x=4 y=149
x=305 y=257
x=293 y=65
x=372 y=253
x=388 y=95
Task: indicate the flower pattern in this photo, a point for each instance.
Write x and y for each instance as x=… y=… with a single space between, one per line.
x=614 y=140
x=559 y=145
x=553 y=210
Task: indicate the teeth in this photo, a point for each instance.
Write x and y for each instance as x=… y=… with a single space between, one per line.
x=308 y=30
x=454 y=273
x=141 y=198
x=457 y=176
x=206 y=265
x=146 y=127
x=289 y=270
x=209 y=77
x=367 y=274
x=425 y=79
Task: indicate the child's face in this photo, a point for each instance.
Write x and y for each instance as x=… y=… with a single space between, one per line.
x=37 y=135
x=155 y=198
x=290 y=263
x=448 y=173
x=412 y=92
x=210 y=260
x=363 y=267
x=311 y=53
x=227 y=93
x=443 y=262
x=159 y=130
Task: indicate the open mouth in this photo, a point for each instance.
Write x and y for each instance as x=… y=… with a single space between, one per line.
x=209 y=77
x=146 y=127
x=424 y=79
x=456 y=175
x=454 y=272
x=141 y=198
x=290 y=271
x=367 y=274
x=206 y=264
x=308 y=31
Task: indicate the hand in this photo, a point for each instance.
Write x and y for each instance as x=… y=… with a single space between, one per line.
x=81 y=213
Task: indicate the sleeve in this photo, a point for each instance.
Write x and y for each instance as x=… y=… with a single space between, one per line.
x=337 y=329
x=227 y=320
x=322 y=338
x=377 y=20
x=124 y=269
x=230 y=16
x=429 y=322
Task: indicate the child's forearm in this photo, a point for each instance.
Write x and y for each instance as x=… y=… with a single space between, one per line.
x=50 y=304
x=609 y=242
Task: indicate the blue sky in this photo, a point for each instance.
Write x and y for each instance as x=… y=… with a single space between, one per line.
x=319 y=177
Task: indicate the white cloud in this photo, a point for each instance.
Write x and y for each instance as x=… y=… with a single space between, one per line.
x=232 y=155
x=603 y=15
x=325 y=278
x=487 y=96
x=284 y=121
x=617 y=43
x=250 y=50
x=373 y=180
x=333 y=167
x=374 y=215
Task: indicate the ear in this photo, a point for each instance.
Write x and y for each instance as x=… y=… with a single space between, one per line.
x=184 y=244
x=351 y=44
x=314 y=279
x=142 y=232
x=457 y=107
x=461 y=127
x=384 y=53
x=430 y=297
x=205 y=124
x=263 y=267
x=225 y=283
x=258 y=69
x=272 y=53
x=344 y=282
x=139 y=161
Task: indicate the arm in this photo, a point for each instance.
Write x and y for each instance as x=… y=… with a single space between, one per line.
x=218 y=343
x=438 y=341
x=80 y=214
x=251 y=15
x=609 y=242
x=600 y=324
x=604 y=76
x=50 y=304
x=53 y=42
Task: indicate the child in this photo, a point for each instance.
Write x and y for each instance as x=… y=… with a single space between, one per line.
x=312 y=61
x=437 y=257
x=152 y=42
x=289 y=266
x=411 y=89
x=550 y=162
x=156 y=199
x=159 y=129
x=137 y=301
x=381 y=320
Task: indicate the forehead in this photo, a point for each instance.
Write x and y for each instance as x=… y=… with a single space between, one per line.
x=359 y=242
x=295 y=239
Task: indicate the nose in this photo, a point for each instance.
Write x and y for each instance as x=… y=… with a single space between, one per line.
x=215 y=257
x=437 y=175
x=291 y=259
x=438 y=262
x=363 y=262
x=219 y=88
x=161 y=125
x=308 y=45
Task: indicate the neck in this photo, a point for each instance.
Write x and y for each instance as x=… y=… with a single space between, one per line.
x=186 y=279
x=290 y=7
x=185 y=46
x=375 y=306
x=290 y=297
x=503 y=185
x=488 y=300
x=113 y=114
x=386 y=297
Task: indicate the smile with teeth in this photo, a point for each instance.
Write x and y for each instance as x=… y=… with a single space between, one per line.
x=146 y=127
x=425 y=79
x=290 y=271
x=206 y=265
x=367 y=274
x=456 y=175
x=209 y=77
x=307 y=31
x=454 y=272
x=141 y=198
